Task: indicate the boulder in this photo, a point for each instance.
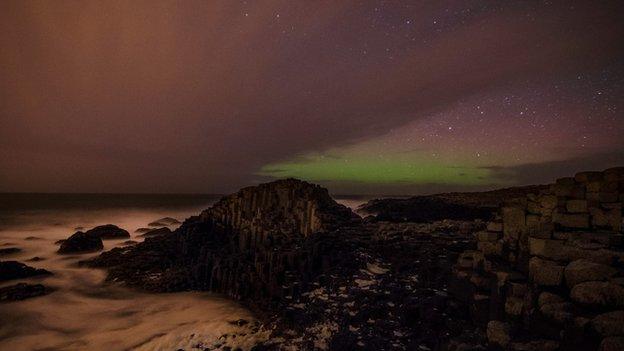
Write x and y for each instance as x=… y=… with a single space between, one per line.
x=583 y=270
x=595 y=293
x=613 y=343
x=108 y=231
x=498 y=333
x=572 y=220
x=490 y=248
x=549 y=249
x=487 y=236
x=21 y=291
x=576 y=206
x=549 y=202
x=81 y=243
x=514 y=306
x=607 y=218
x=495 y=226
x=548 y=298
x=545 y=272
x=535 y=345
x=514 y=222
x=609 y=324
x=15 y=270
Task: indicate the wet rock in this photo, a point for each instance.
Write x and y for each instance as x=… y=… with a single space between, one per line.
x=143 y=230
x=35 y=259
x=535 y=345
x=498 y=333
x=21 y=291
x=9 y=251
x=81 y=243
x=157 y=232
x=32 y=238
x=130 y=242
x=10 y=270
x=609 y=324
x=59 y=242
x=545 y=272
x=598 y=293
x=614 y=343
x=583 y=270
x=108 y=231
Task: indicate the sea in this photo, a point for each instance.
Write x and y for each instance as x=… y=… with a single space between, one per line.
x=83 y=312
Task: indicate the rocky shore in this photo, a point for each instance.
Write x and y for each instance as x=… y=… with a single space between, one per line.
x=542 y=271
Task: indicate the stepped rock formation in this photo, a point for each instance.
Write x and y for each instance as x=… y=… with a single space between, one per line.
x=263 y=242
x=551 y=267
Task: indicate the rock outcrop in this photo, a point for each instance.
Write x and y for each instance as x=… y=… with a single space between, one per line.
x=551 y=265
x=108 y=231
x=10 y=270
x=453 y=206
x=259 y=244
x=21 y=291
x=81 y=243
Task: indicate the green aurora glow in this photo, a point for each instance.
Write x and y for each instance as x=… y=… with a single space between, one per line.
x=397 y=169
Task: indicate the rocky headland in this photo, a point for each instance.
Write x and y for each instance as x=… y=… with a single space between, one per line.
x=538 y=270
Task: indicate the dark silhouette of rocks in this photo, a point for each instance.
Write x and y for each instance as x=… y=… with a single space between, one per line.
x=143 y=230
x=32 y=238
x=21 y=291
x=550 y=267
x=81 y=243
x=163 y=222
x=35 y=259
x=108 y=231
x=455 y=206
x=130 y=242
x=9 y=251
x=543 y=272
x=59 y=242
x=157 y=232
x=10 y=270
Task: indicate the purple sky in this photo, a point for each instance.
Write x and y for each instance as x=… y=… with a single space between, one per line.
x=209 y=96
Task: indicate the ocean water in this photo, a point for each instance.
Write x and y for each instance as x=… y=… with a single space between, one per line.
x=83 y=313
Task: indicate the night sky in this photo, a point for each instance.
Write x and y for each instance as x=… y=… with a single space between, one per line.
x=369 y=97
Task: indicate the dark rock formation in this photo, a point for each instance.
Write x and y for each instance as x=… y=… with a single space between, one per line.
x=550 y=267
x=108 y=231
x=81 y=243
x=545 y=273
x=257 y=243
x=143 y=230
x=21 y=291
x=9 y=251
x=311 y=268
x=10 y=270
x=129 y=242
x=163 y=222
x=157 y=232
x=456 y=206
x=32 y=238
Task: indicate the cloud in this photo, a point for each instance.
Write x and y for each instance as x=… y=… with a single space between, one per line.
x=198 y=96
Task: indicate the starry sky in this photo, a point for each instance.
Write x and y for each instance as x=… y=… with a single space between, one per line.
x=364 y=97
